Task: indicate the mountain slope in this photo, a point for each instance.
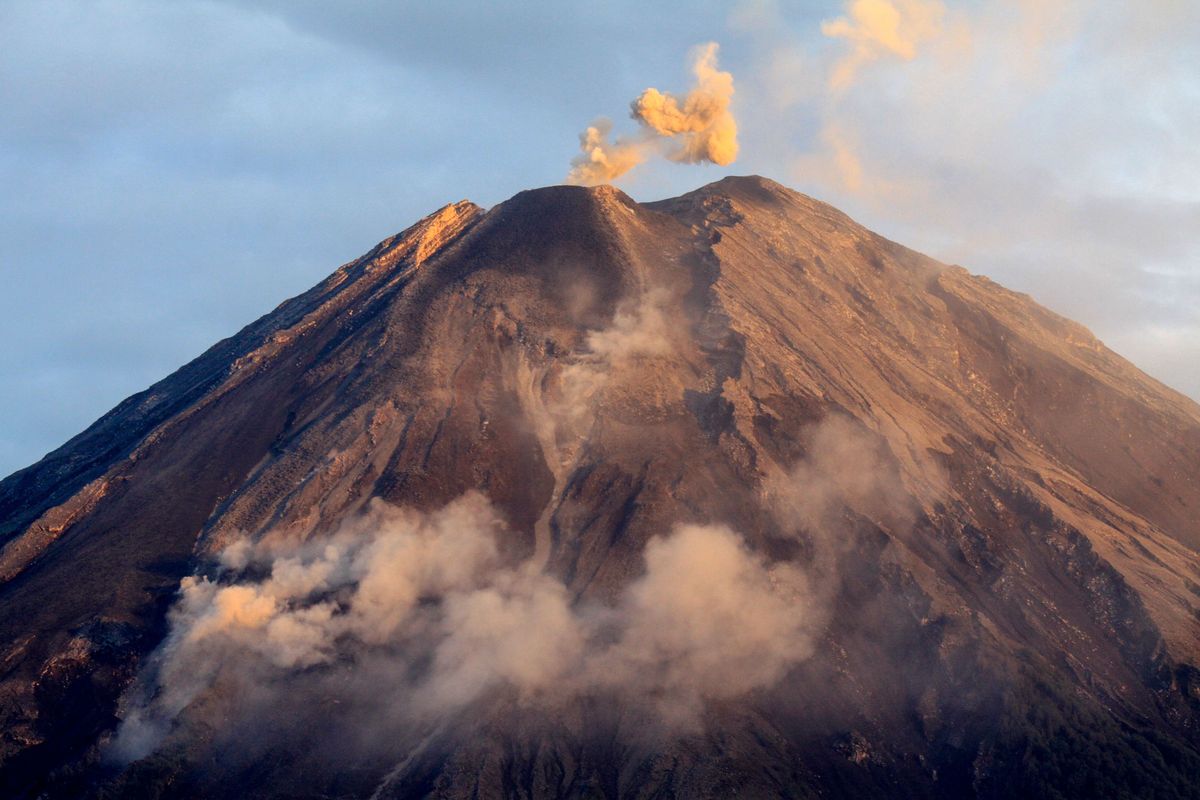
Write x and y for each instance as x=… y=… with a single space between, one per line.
x=998 y=518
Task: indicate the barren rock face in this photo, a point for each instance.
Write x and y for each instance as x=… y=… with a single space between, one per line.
x=985 y=524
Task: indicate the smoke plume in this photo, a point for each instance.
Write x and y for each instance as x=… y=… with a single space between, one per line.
x=600 y=160
x=699 y=127
x=426 y=602
x=708 y=621
x=407 y=618
x=848 y=475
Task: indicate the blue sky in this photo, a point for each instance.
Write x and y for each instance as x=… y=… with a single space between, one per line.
x=170 y=171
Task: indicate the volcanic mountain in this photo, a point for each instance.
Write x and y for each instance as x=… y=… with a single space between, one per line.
x=584 y=497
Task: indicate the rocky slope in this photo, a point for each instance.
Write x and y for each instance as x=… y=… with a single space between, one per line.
x=998 y=519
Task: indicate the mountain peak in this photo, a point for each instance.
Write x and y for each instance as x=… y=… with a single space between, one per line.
x=748 y=183
x=568 y=198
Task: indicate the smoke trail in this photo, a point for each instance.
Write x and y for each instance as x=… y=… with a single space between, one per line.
x=699 y=127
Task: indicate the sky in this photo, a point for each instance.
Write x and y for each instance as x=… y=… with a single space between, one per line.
x=171 y=171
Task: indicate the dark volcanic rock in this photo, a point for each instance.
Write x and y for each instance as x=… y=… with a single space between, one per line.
x=1013 y=602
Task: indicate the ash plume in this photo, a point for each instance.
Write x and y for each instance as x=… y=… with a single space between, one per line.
x=404 y=626
x=600 y=160
x=698 y=127
x=425 y=602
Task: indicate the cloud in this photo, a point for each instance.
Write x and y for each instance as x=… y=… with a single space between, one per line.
x=844 y=468
x=699 y=127
x=878 y=28
x=405 y=619
x=518 y=630
x=360 y=587
x=638 y=329
x=848 y=476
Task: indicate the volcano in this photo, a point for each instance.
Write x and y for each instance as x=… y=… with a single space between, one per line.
x=962 y=537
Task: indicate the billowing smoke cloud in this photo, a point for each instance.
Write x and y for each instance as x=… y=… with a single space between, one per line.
x=877 y=28
x=709 y=620
x=700 y=127
x=403 y=628
x=359 y=587
x=428 y=602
